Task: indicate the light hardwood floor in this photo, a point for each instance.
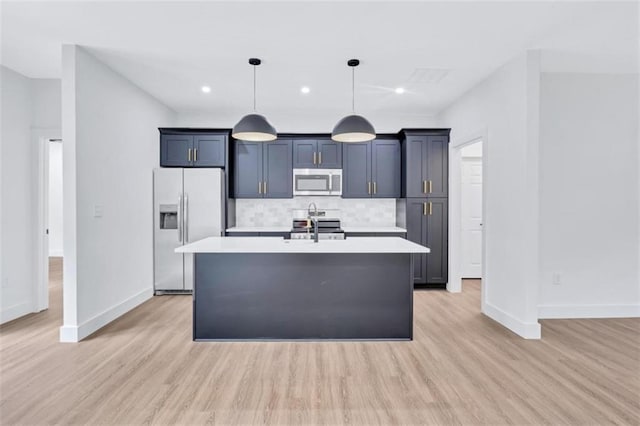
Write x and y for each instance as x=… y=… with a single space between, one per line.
x=462 y=368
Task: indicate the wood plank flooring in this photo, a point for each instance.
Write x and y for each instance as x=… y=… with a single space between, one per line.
x=462 y=368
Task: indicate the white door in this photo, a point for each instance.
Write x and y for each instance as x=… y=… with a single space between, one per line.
x=471 y=217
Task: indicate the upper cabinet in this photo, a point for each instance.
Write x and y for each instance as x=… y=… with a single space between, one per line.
x=371 y=169
x=263 y=169
x=316 y=153
x=426 y=160
x=192 y=149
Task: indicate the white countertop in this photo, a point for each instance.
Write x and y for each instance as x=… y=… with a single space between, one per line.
x=280 y=245
x=381 y=229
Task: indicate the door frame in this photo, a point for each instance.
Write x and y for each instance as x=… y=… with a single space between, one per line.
x=455 y=211
x=41 y=139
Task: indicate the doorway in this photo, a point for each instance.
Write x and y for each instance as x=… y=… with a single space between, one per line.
x=50 y=219
x=471 y=211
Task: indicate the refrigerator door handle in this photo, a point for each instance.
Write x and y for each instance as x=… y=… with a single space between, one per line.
x=186 y=218
x=179 y=218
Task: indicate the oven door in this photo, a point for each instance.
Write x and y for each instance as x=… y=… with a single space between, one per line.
x=317 y=182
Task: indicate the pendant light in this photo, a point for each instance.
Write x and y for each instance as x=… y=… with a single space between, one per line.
x=353 y=128
x=254 y=127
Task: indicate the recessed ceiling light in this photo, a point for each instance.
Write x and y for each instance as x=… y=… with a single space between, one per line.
x=206 y=89
x=399 y=90
x=305 y=90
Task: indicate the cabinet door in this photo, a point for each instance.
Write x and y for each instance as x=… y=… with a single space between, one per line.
x=248 y=169
x=329 y=154
x=415 y=165
x=277 y=175
x=385 y=168
x=305 y=154
x=174 y=150
x=417 y=232
x=437 y=166
x=209 y=150
x=437 y=241
x=356 y=170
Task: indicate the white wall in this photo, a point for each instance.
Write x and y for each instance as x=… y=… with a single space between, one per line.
x=503 y=111
x=110 y=149
x=17 y=255
x=47 y=109
x=589 y=232
x=306 y=121
x=55 y=199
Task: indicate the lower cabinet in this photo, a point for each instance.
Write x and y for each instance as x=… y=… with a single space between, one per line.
x=427 y=224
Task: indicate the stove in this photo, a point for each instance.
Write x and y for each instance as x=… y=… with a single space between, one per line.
x=328 y=229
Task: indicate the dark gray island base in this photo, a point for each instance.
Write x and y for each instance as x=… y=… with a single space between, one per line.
x=306 y=296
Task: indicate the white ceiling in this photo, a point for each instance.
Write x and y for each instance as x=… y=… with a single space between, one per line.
x=171 y=49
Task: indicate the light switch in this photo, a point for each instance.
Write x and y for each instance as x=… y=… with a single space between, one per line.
x=97 y=210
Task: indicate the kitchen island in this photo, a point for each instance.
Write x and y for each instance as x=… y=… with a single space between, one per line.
x=262 y=288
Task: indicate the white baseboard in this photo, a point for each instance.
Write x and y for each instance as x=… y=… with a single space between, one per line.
x=15 y=311
x=72 y=333
x=588 y=311
x=523 y=329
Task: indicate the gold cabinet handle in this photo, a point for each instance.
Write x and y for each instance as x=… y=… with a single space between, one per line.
x=319 y=157
x=368 y=187
x=375 y=188
x=424 y=186
x=189 y=154
x=424 y=209
x=430 y=187
x=195 y=155
x=264 y=187
x=259 y=187
x=430 y=208
x=314 y=157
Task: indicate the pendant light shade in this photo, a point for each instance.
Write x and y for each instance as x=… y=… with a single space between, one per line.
x=353 y=128
x=254 y=127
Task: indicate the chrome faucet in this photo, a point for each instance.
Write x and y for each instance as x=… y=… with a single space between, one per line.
x=315 y=220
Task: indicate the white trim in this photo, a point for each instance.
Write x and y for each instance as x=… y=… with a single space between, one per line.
x=56 y=254
x=72 y=333
x=455 y=230
x=522 y=329
x=16 y=311
x=588 y=311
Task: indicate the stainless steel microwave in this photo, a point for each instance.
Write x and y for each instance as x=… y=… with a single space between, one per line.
x=317 y=182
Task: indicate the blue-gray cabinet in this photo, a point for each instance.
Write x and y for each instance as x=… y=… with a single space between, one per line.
x=263 y=169
x=426 y=160
x=192 y=149
x=316 y=153
x=427 y=224
x=371 y=169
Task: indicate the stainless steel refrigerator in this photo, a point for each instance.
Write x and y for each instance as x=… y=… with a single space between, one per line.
x=188 y=205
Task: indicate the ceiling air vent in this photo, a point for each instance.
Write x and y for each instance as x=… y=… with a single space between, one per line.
x=427 y=75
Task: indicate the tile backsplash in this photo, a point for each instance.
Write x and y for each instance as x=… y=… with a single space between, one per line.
x=352 y=212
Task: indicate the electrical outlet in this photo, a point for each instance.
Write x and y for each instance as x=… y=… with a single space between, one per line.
x=556 y=278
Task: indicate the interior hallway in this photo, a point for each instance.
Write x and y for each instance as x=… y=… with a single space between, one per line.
x=462 y=368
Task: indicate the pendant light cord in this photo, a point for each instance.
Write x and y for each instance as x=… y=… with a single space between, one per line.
x=353 y=89
x=254 y=88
